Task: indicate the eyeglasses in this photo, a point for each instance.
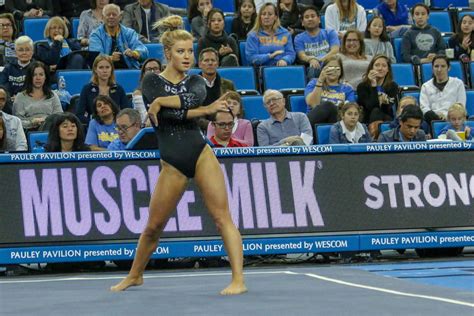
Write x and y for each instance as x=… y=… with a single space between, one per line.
x=123 y=129
x=152 y=69
x=24 y=50
x=272 y=100
x=224 y=125
x=6 y=26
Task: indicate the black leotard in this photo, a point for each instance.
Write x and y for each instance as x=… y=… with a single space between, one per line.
x=181 y=141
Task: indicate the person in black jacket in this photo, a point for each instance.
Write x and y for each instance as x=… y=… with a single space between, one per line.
x=463 y=41
x=30 y=8
x=290 y=16
x=378 y=93
x=245 y=19
x=70 y=8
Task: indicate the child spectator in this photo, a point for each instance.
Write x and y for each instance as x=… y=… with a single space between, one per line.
x=463 y=41
x=349 y=129
x=396 y=16
x=377 y=41
x=289 y=16
x=457 y=123
x=245 y=19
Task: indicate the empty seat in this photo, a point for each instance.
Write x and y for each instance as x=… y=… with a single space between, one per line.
x=298 y=104
x=243 y=77
x=436 y=127
x=224 y=5
x=450 y=3
x=322 y=133
x=75 y=79
x=404 y=75
x=409 y=3
x=284 y=78
x=368 y=4
x=75 y=27
x=384 y=127
x=129 y=79
x=456 y=71
x=441 y=20
x=254 y=108
x=34 y=28
x=175 y=3
x=243 y=57
x=228 y=23
x=397 y=49
x=37 y=141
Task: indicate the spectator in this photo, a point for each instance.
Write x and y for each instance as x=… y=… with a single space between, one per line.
x=269 y=44
x=409 y=128
x=151 y=65
x=127 y=125
x=404 y=101
x=457 y=123
x=260 y=3
x=378 y=93
x=343 y=15
x=58 y=47
x=315 y=46
x=7 y=37
x=422 y=41
x=13 y=75
x=118 y=41
x=242 y=129
x=123 y=3
x=217 y=38
x=463 y=41
x=142 y=15
x=197 y=16
x=66 y=135
x=30 y=8
x=223 y=123
x=324 y=94
x=245 y=19
x=34 y=104
x=90 y=19
x=395 y=15
x=283 y=128
x=440 y=92
x=353 y=57
x=101 y=130
x=349 y=129
x=289 y=15
x=13 y=136
x=377 y=41
x=102 y=83
x=70 y=9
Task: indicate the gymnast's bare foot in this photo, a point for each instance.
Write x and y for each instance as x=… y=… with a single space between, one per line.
x=126 y=283
x=235 y=288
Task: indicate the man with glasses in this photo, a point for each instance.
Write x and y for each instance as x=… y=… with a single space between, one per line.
x=128 y=124
x=283 y=128
x=223 y=123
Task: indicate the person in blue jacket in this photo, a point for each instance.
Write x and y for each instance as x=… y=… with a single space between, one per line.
x=118 y=41
x=268 y=43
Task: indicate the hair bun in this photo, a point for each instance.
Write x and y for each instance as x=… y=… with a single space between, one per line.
x=169 y=23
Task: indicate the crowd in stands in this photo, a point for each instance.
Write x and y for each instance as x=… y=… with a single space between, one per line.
x=348 y=54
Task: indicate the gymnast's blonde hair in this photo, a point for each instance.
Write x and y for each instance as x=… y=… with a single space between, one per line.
x=171 y=30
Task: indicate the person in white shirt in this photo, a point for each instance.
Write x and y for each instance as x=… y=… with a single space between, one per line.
x=343 y=15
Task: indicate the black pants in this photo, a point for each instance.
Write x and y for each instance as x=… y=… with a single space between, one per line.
x=325 y=112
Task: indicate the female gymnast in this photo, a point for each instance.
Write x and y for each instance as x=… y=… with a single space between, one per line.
x=176 y=103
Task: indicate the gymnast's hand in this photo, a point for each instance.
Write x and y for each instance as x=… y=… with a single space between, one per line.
x=155 y=107
x=218 y=105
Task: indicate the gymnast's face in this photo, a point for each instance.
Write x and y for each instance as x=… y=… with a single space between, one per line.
x=181 y=55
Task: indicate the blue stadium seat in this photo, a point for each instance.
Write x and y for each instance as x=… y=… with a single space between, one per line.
x=243 y=77
x=196 y=55
x=470 y=102
x=456 y=71
x=75 y=79
x=194 y=71
x=409 y=3
x=187 y=23
x=397 y=49
x=37 y=141
x=404 y=75
x=471 y=69
x=147 y=132
x=129 y=79
x=175 y=3
x=34 y=28
x=228 y=23
x=224 y=5
x=323 y=21
x=322 y=133
x=450 y=3
x=254 y=108
x=75 y=27
x=298 y=104
x=368 y=4
x=384 y=127
x=155 y=50
x=436 y=127
x=284 y=78
x=243 y=57
x=463 y=13
x=441 y=20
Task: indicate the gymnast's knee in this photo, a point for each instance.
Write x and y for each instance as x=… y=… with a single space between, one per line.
x=153 y=231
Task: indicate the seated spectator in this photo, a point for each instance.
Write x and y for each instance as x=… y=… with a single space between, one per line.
x=223 y=123
x=344 y=15
x=127 y=125
x=142 y=15
x=377 y=41
x=66 y=135
x=378 y=93
x=58 y=46
x=242 y=130
x=440 y=92
x=13 y=75
x=30 y=8
x=151 y=65
x=118 y=41
x=349 y=129
x=7 y=37
x=269 y=44
x=422 y=42
x=315 y=46
x=353 y=57
x=245 y=19
x=457 y=128
x=260 y=3
x=101 y=131
x=34 y=104
x=70 y=9
x=13 y=136
x=289 y=15
x=404 y=101
x=102 y=83
x=325 y=94
x=463 y=40
x=396 y=16
x=283 y=128
x=218 y=39
x=90 y=19
x=197 y=16
x=409 y=128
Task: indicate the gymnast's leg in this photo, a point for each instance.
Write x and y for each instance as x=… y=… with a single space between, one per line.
x=168 y=190
x=210 y=180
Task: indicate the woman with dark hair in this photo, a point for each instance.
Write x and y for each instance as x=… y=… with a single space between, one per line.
x=151 y=65
x=353 y=57
x=101 y=131
x=290 y=16
x=463 y=41
x=34 y=104
x=218 y=39
x=245 y=19
x=66 y=135
x=90 y=19
x=376 y=39
x=8 y=34
x=197 y=16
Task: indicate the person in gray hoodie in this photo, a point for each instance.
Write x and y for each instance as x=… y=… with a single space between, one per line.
x=422 y=40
